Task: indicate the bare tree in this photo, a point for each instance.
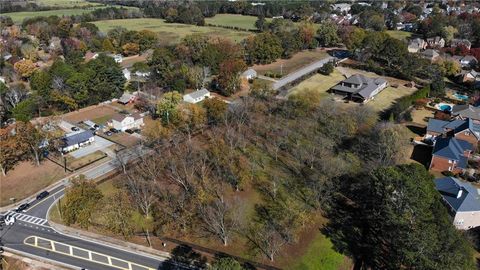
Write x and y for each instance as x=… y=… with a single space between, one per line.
x=266 y=239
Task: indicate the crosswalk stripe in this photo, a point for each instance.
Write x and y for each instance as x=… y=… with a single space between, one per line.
x=28 y=218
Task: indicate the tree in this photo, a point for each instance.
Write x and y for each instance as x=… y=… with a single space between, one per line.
x=229 y=76
x=119 y=213
x=25 y=110
x=25 y=68
x=130 y=48
x=327 y=34
x=216 y=110
x=327 y=68
x=107 y=46
x=218 y=218
x=167 y=107
x=80 y=201
x=306 y=35
x=225 y=263
x=263 y=48
x=32 y=138
x=353 y=37
x=41 y=82
x=265 y=239
x=11 y=152
x=260 y=23
x=390 y=219
x=449 y=33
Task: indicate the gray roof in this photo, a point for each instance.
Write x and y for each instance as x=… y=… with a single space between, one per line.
x=456 y=125
x=452 y=148
x=199 y=93
x=367 y=85
x=449 y=188
x=430 y=53
x=125 y=98
x=76 y=138
x=456 y=42
x=416 y=43
x=249 y=72
x=467 y=111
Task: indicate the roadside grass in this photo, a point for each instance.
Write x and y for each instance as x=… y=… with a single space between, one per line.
x=75 y=163
x=26 y=179
x=234 y=20
x=171 y=32
x=297 y=61
x=320 y=255
x=402 y=35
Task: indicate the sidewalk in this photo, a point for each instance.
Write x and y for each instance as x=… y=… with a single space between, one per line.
x=109 y=241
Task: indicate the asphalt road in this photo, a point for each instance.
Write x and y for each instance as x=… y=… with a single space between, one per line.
x=31 y=235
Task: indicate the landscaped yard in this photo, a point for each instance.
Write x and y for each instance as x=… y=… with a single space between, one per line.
x=402 y=35
x=171 y=32
x=234 y=20
x=297 y=61
x=26 y=179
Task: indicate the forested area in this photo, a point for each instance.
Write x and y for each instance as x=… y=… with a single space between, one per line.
x=302 y=157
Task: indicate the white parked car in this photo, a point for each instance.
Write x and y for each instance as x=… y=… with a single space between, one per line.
x=9 y=220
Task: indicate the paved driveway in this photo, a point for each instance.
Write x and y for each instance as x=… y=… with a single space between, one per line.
x=99 y=144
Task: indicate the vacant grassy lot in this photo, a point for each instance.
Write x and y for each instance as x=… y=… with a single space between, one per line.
x=297 y=61
x=26 y=179
x=94 y=113
x=171 y=32
x=234 y=20
x=402 y=35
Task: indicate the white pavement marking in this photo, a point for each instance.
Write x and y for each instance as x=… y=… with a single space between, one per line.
x=88 y=254
x=29 y=219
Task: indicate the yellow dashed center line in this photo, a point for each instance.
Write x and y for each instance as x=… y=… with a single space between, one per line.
x=34 y=242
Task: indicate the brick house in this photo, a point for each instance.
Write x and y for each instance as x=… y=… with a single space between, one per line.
x=450 y=154
x=462 y=129
x=462 y=200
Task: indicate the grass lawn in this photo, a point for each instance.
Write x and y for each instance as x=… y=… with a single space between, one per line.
x=297 y=61
x=18 y=17
x=234 y=20
x=26 y=179
x=319 y=82
x=102 y=120
x=402 y=35
x=171 y=32
x=75 y=163
x=388 y=96
x=320 y=256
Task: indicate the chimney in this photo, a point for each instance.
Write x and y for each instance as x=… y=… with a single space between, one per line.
x=460 y=192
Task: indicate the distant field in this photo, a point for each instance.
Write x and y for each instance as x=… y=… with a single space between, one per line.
x=65 y=3
x=18 y=17
x=234 y=20
x=171 y=32
x=402 y=35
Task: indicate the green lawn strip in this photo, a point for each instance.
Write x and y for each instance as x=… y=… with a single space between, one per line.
x=402 y=35
x=320 y=255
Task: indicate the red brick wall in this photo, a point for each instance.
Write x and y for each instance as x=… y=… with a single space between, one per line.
x=440 y=164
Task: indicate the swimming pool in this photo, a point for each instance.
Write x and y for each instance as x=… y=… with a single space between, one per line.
x=444 y=106
x=460 y=96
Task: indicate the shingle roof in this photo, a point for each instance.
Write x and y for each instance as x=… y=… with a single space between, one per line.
x=449 y=188
x=456 y=125
x=467 y=111
x=199 y=93
x=75 y=138
x=436 y=125
x=452 y=148
x=367 y=85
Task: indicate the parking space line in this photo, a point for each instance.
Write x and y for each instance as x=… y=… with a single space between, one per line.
x=88 y=257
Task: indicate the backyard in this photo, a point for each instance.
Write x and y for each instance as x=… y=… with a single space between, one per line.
x=171 y=32
x=402 y=35
x=297 y=61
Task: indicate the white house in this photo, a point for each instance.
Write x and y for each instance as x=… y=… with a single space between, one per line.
x=249 y=74
x=75 y=140
x=197 y=96
x=123 y=122
x=142 y=74
x=462 y=200
x=127 y=74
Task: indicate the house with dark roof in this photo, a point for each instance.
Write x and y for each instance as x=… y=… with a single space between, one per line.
x=462 y=200
x=76 y=140
x=463 y=129
x=196 y=96
x=467 y=111
x=359 y=87
x=450 y=154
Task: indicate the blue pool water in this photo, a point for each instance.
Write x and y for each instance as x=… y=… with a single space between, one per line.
x=460 y=96
x=445 y=107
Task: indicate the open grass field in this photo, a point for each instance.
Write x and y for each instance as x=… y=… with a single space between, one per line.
x=234 y=20
x=18 y=17
x=65 y=3
x=171 y=32
x=402 y=35
x=319 y=82
x=26 y=179
x=297 y=61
